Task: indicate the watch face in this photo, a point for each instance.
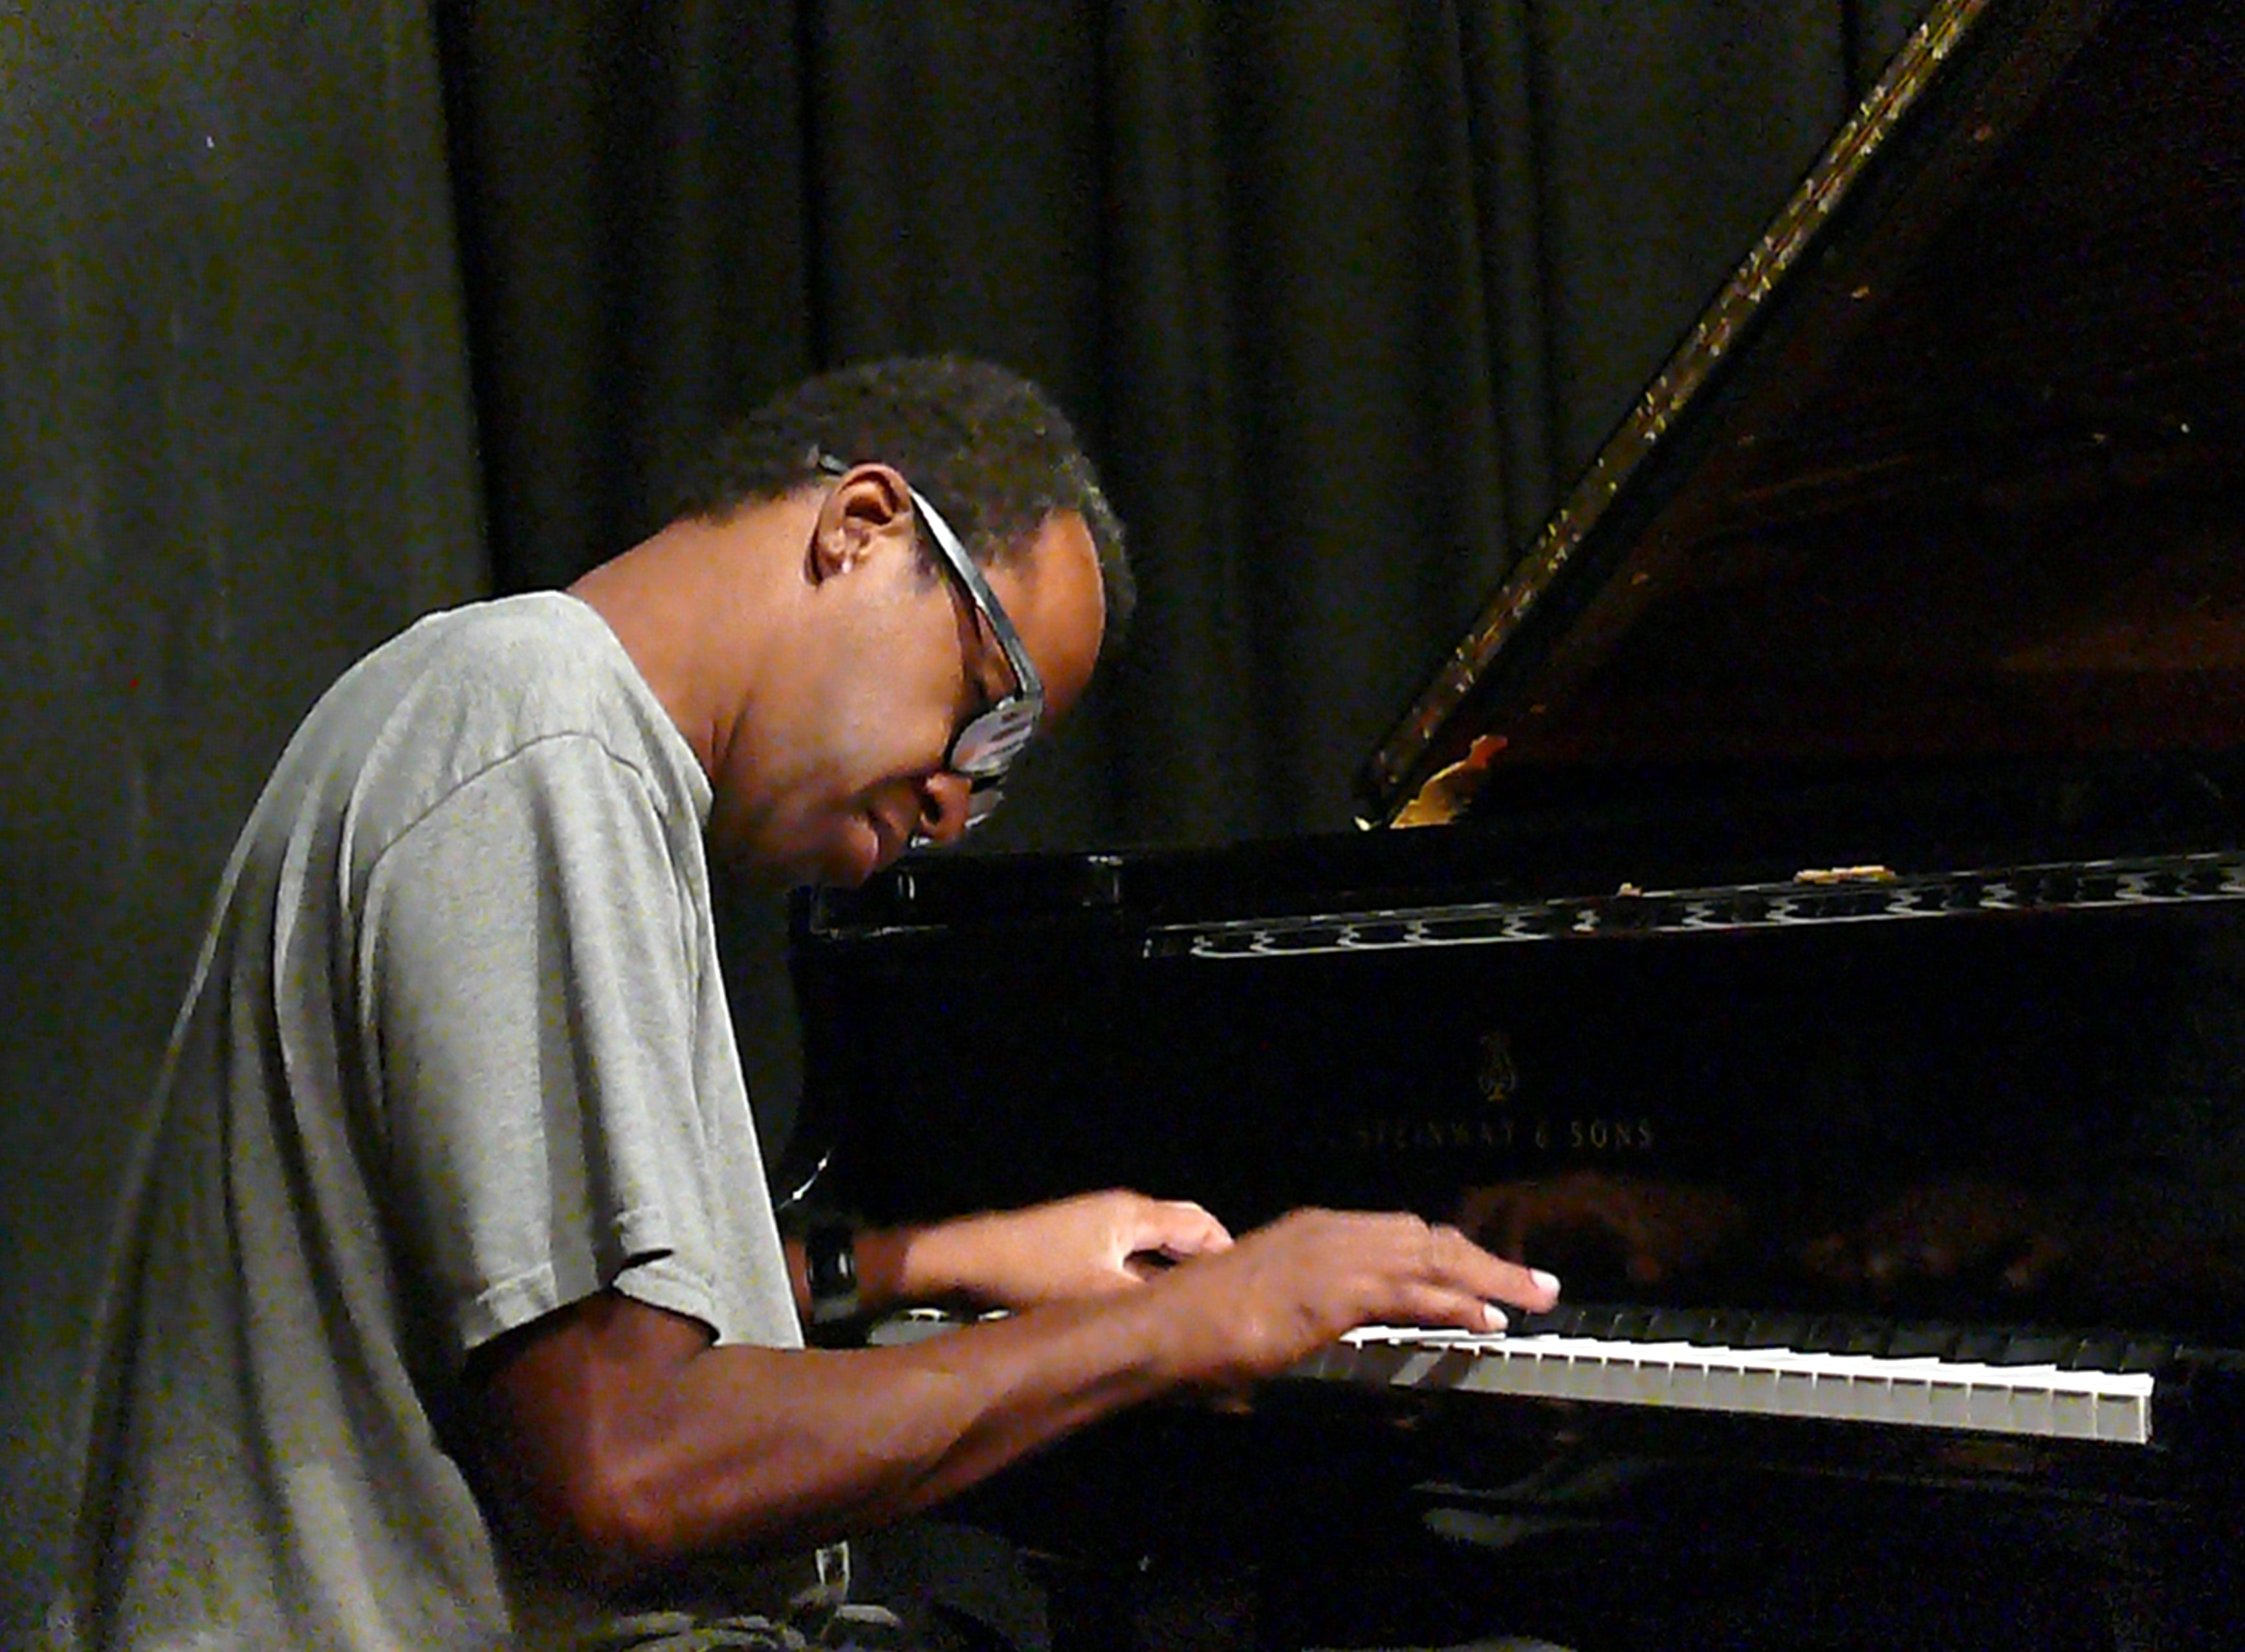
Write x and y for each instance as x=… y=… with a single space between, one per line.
x=830 y=1257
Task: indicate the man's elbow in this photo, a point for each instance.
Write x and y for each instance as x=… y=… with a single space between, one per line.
x=612 y=1525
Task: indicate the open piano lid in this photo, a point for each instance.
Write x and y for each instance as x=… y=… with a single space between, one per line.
x=1951 y=469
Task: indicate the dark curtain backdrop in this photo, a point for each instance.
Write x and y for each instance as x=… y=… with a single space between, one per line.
x=235 y=450
x=1339 y=292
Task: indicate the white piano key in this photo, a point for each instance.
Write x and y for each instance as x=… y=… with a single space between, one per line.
x=2073 y=1413
x=1949 y=1402
x=1991 y=1408
x=1688 y=1387
x=1794 y=1392
x=2031 y=1411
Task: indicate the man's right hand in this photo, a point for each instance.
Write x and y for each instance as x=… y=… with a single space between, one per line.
x=1288 y=1289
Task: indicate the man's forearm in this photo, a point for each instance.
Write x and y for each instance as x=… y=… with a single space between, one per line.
x=872 y=1435
x=650 y=1447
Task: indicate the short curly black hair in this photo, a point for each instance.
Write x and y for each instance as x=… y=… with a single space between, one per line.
x=988 y=448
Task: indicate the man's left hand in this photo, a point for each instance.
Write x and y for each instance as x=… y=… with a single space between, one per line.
x=1086 y=1246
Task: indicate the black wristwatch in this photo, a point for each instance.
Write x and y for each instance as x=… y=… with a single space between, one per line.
x=829 y=1267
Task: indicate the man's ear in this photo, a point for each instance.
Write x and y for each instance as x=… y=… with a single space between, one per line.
x=867 y=508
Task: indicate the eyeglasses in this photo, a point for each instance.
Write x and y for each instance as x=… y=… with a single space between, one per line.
x=983 y=748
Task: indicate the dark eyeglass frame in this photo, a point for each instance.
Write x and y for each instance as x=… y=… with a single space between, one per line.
x=983 y=748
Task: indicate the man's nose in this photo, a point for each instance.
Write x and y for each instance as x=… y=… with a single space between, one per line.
x=943 y=808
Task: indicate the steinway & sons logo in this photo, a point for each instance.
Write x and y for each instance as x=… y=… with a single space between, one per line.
x=1497 y=1125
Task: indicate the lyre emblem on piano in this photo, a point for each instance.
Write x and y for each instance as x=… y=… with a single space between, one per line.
x=1495 y=1074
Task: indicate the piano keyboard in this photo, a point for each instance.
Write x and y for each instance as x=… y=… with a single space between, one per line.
x=2054 y=1400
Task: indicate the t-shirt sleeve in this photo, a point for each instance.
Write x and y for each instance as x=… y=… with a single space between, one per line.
x=527 y=991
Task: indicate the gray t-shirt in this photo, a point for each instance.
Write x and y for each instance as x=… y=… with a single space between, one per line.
x=457 y=1053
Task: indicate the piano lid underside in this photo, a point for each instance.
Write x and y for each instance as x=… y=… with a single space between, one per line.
x=1980 y=500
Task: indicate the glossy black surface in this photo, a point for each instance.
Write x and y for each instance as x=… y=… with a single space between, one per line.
x=1921 y=571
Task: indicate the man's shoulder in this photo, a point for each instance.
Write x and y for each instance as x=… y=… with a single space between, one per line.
x=514 y=670
x=468 y=692
x=540 y=633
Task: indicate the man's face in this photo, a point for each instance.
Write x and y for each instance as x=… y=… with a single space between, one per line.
x=845 y=767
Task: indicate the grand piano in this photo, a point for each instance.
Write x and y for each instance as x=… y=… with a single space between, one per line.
x=1807 y=911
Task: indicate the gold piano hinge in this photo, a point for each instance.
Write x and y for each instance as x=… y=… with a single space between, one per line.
x=1450 y=793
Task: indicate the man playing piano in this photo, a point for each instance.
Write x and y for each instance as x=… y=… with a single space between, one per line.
x=449 y=1308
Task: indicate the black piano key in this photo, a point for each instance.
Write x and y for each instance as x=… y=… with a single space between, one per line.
x=1586 y=1319
x=1838 y=1334
x=1921 y=1340
x=1774 y=1330
x=1675 y=1325
x=1815 y=1335
x=1983 y=1344
x=2093 y=1351
x=1629 y=1324
x=1593 y=1319
x=1845 y=1334
x=1722 y=1329
x=2026 y=1346
x=2148 y=1355
x=1561 y=1321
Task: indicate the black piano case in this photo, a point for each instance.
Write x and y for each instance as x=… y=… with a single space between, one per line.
x=1805 y=909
